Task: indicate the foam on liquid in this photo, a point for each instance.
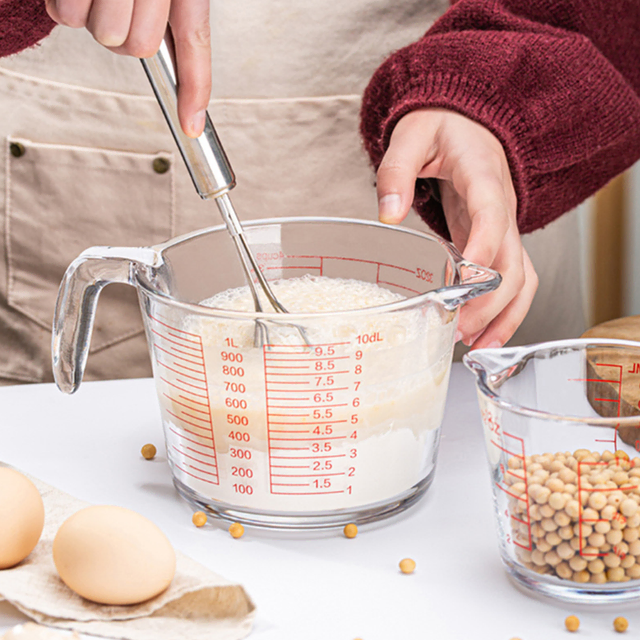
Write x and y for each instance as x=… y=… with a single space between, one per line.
x=310 y=294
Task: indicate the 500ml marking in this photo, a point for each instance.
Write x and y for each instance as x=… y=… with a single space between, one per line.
x=180 y=359
x=313 y=415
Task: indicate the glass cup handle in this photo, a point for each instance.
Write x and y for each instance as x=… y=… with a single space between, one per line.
x=76 y=305
x=474 y=281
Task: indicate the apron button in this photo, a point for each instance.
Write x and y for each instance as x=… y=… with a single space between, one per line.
x=161 y=165
x=17 y=149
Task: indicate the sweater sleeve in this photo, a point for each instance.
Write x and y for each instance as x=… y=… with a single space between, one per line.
x=23 y=23
x=557 y=82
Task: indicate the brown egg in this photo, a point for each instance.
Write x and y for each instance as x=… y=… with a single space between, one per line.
x=21 y=517
x=113 y=555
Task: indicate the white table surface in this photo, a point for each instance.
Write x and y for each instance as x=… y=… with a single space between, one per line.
x=311 y=586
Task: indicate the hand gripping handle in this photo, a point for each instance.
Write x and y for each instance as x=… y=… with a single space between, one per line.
x=204 y=156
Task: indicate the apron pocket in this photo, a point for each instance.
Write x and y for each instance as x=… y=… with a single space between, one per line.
x=63 y=199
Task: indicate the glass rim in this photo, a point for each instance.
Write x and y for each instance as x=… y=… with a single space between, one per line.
x=570 y=344
x=276 y=318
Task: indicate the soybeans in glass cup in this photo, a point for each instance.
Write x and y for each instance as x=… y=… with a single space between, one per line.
x=335 y=416
x=562 y=432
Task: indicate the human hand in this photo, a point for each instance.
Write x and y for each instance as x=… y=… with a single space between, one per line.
x=480 y=209
x=137 y=27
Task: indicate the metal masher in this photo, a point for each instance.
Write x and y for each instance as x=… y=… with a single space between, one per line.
x=212 y=177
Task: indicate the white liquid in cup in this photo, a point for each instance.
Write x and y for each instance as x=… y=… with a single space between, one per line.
x=349 y=421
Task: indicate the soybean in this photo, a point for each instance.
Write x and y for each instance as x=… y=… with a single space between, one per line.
x=149 y=451
x=199 y=518
x=576 y=516
x=572 y=623
x=407 y=565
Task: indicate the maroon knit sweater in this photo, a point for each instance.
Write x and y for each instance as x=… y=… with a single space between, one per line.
x=23 y=23
x=556 y=81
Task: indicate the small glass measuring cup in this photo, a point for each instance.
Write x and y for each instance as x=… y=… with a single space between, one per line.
x=562 y=430
x=289 y=434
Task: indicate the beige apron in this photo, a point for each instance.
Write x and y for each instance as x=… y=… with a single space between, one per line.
x=81 y=131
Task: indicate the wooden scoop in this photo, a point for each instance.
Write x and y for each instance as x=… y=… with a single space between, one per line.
x=620 y=381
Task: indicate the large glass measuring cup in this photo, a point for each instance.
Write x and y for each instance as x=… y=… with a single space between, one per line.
x=562 y=430
x=289 y=434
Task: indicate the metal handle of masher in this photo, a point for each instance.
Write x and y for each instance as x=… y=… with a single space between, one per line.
x=206 y=161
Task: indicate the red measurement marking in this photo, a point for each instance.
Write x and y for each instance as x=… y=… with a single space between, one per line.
x=184 y=353
x=206 y=413
x=180 y=435
x=340 y=455
x=180 y=344
x=182 y=375
x=303 y=493
x=311 y=374
x=173 y=355
x=193 y=475
x=179 y=337
x=332 y=390
x=290 y=466
x=175 y=386
x=305 y=349
x=306 y=384
x=286 y=415
x=592 y=380
x=207 y=420
x=288 y=367
x=203 y=404
x=618 y=382
x=292 y=375
x=291 y=448
x=345 y=259
x=320 y=405
x=192 y=424
x=204 y=455
x=199 y=435
x=524 y=497
x=315 y=422
x=295 y=387
x=291 y=267
x=188 y=406
x=182 y=366
x=499 y=446
x=168 y=326
x=321 y=438
x=280 y=484
x=186 y=455
x=307 y=475
x=206 y=473
x=309 y=357
x=201 y=422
